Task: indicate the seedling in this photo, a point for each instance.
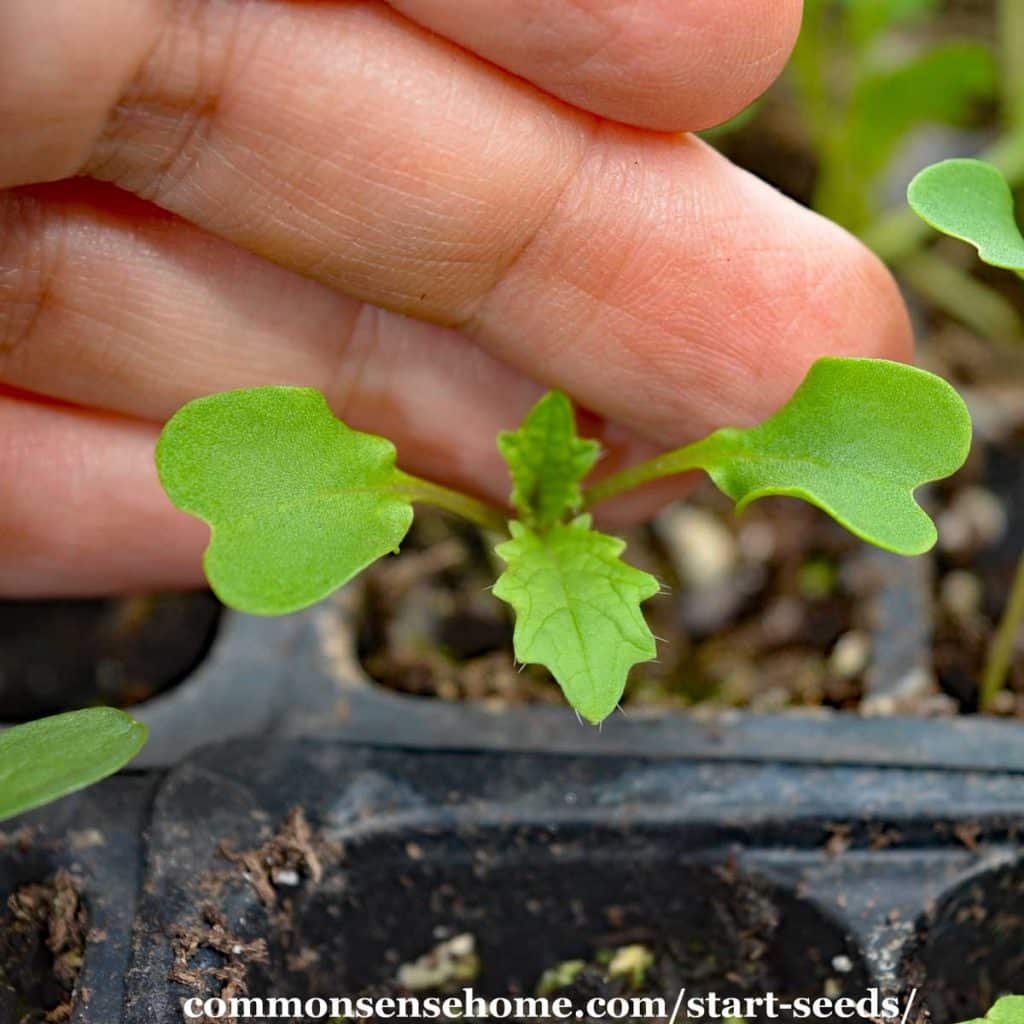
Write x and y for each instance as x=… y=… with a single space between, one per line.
x=298 y=503
x=972 y=200
x=52 y=757
x=1008 y=1010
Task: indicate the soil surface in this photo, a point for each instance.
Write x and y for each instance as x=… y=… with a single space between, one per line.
x=42 y=945
x=271 y=922
x=60 y=655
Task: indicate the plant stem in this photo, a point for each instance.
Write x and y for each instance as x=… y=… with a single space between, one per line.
x=479 y=512
x=1000 y=652
x=669 y=464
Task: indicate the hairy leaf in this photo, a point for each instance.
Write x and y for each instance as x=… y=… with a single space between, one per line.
x=297 y=502
x=52 y=757
x=1008 y=1010
x=856 y=439
x=547 y=461
x=577 y=610
x=972 y=201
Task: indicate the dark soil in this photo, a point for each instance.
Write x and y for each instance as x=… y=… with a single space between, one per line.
x=299 y=916
x=732 y=962
x=60 y=655
x=980 y=514
x=42 y=944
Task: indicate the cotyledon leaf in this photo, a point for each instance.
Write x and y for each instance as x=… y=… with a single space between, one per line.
x=972 y=201
x=297 y=502
x=547 y=461
x=1008 y=1010
x=49 y=758
x=856 y=439
x=577 y=608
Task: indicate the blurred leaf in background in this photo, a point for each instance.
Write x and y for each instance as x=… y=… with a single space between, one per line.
x=861 y=96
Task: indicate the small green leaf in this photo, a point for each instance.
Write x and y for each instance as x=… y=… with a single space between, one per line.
x=856 y=439
x=1008 y=1010
x=972 y=201
x=52 y=757
x=547 y=461
x=577 y=610
x=296 y=501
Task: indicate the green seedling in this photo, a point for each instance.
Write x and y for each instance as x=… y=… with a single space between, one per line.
x=52 y=757
x=972 y=201
x=1008 y=1010
x=298 y=503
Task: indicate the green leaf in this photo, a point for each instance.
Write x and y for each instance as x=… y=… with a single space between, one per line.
x=577 y=610
x=856 y=439
x=547 y=461
x=296 y=501
x=972 y=201
x=1008 y=1010
x=52 y=757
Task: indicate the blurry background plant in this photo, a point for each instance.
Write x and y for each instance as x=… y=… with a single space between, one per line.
x=865 y=78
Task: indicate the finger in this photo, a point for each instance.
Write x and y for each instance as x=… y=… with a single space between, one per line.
x=83 y=512
x=668 y=290
x=65 y=63
x=664 y=64
x=659 y=63
x=106 y=301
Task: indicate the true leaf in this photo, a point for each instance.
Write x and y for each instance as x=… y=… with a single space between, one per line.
x=972 y=201
x=49 y=758
x=547 y=461
x=577 y=610
x=1008 y=1010
x=856 y=439
x=297 y=502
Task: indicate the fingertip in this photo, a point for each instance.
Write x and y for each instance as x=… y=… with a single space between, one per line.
x=863 y=303
x=687 y=67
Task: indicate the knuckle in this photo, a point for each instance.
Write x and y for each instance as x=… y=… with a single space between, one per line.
x=176 y=89
x=29 y=254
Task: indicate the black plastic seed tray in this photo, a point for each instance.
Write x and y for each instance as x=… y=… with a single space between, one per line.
x=797 y=879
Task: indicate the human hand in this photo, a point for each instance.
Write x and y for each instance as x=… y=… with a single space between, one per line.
x=428 y=209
